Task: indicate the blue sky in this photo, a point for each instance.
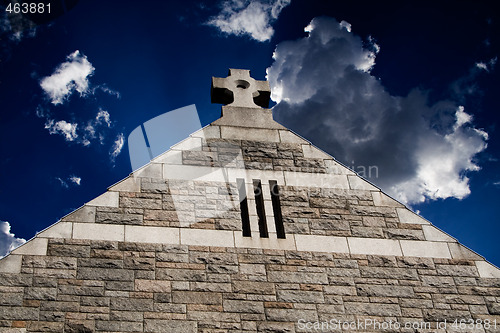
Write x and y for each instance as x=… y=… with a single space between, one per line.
x=409 y=87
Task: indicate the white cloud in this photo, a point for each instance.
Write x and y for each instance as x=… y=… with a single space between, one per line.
x=482 y=65
x=101 y=119
x=8 y=241
x=72 y=180
x=42 y=112
x=117 y=146
x=462 y=117
x=68 y=77
x=326 y=93
x=68 y=130
x=103 y=116
x=90 y=131
x=487 y=66
x=94 y=128
x=107 y=90
x=249 y=17
x=346 y=25
x=76 y=180
x=62 y=182
x=442 y=163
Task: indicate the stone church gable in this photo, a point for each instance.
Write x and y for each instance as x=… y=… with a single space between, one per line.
x=243 y=227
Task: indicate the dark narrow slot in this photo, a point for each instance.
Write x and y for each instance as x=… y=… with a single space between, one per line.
x=259 y=203
x=245 y=219
x=278 y=218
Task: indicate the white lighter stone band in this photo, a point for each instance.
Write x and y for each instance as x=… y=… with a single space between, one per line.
x=226 y=238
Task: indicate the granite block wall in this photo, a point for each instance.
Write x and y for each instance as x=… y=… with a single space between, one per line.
x=102 y=286
x=164 y=252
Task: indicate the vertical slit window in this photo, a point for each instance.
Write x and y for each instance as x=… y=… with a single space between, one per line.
x=278 y=218
x=259 y=203
x=245 y=219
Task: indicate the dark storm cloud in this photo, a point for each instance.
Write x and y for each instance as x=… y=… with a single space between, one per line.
x=325 y=92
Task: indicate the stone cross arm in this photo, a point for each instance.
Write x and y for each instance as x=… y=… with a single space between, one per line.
x=241 y=90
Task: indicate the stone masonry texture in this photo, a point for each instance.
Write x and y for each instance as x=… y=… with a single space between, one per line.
x=68 y=283
x=111 y=286
x=92 y=286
